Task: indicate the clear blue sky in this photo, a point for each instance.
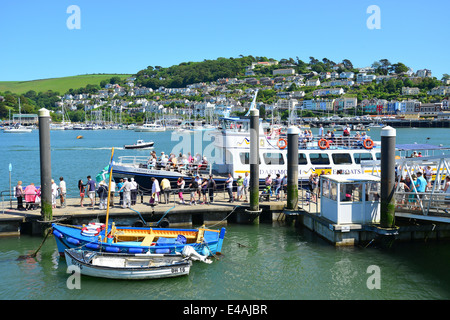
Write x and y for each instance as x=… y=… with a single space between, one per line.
x=127 y=36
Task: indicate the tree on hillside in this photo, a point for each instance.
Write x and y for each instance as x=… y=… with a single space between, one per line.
x=347 y=64
x=399 y=68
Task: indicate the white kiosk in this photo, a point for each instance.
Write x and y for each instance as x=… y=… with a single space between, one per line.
x=350 y=199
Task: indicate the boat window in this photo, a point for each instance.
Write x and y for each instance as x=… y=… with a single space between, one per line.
x=319 y=158
x=341 y=158
x=378 y=155
x=329 y=189
x=302 y=159
x=245 y=158
x=362 y=157
x=351 y=192
x=273 y=158
x=372 y=191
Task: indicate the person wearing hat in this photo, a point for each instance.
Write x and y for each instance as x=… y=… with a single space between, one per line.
x=102 y=192
x=126 y=187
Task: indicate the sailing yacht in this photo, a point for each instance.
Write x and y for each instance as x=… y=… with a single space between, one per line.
x=18 y=128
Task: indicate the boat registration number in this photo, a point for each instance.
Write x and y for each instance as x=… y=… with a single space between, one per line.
x=178 y=270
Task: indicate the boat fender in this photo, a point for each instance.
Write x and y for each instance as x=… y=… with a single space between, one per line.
x=112 y=249
x=138 y=223
x=161 y=251
x=368 y=143
x=93 y=246
x=282 y=143
x=135 y=250
x=323 y=144
x=73 y=241
x=164 y=223
x=58 y=234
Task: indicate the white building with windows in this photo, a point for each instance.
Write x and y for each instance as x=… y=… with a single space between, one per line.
x=407 y=91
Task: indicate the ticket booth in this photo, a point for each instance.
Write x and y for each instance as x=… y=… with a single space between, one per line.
x=350 y=199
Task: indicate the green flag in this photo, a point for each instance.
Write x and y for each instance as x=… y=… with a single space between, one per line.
x=104 y=175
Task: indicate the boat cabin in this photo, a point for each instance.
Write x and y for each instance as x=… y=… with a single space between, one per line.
x=350 y=199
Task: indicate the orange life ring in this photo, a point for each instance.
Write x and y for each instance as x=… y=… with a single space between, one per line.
x=283 y=145
x=368 y=143
x=324 y=144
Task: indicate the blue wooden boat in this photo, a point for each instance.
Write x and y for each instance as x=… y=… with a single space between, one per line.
x=137 y=240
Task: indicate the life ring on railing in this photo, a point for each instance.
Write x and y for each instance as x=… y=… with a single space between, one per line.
x=368 y=143
x=282 y=143
x=323 y=144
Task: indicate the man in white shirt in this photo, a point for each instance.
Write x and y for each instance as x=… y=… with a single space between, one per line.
x=321 y=131
x=229 y=185
x=62 y=192
x=126 y=187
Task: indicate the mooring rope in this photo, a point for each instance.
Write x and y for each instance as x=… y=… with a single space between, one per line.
x=224 y=218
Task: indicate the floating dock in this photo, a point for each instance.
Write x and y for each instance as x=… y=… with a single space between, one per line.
x=16 y=222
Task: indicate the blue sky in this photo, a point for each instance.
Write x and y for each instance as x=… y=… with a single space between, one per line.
x=127 y=36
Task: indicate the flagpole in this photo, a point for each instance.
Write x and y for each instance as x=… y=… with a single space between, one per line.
x=109 y=195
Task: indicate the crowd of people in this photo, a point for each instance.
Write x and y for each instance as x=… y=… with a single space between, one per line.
x=32 y=195
x=181 y=163
x=412 y=188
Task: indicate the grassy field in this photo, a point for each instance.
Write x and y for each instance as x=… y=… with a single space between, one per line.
x=56 y=84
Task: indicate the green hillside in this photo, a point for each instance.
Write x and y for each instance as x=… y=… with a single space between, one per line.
x=61 y=85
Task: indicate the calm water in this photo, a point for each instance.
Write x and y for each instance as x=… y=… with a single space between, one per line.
x=272 y=261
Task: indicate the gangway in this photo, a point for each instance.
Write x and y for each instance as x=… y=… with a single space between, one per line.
x=428 y=205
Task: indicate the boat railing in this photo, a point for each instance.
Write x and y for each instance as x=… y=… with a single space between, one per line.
x=144 y=162
x=425 y=203
x=325 y=142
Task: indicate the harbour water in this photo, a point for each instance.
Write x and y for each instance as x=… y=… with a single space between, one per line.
x=265 y=261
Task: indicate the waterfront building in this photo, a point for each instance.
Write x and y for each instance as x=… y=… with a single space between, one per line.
x=331 y=91
x=345 y=103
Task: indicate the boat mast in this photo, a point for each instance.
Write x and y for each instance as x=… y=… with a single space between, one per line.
x=110 y=169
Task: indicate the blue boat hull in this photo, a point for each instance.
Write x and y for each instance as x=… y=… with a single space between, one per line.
x=69 y=237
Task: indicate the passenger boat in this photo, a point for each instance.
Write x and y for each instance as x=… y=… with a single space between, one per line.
x=140 y=144
x=137 y=239
x=128 y=266
x=231 y=145
x=150 y=127
x=17 y=129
